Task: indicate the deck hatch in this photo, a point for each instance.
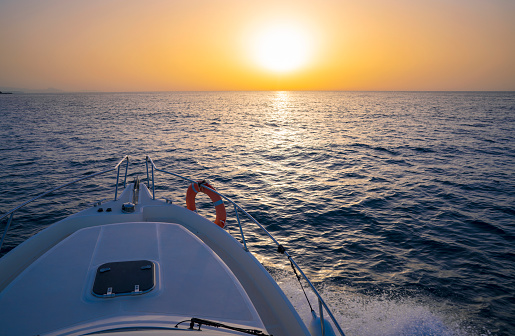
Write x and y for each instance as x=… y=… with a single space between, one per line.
x=124 y=278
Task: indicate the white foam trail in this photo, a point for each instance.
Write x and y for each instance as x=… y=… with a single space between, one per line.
x=381 y=314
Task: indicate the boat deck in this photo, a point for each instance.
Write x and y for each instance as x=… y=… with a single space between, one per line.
x=190 y=281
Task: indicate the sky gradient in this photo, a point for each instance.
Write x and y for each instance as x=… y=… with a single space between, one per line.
x=158 y=45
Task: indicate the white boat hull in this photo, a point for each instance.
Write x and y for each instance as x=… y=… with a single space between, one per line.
x=201 y=271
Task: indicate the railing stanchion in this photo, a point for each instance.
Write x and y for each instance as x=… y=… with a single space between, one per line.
x=241 y=229
x=126 y=169
x=321 y=308
x=153 y=183
x=117 y=181
x=6 y=229
x=148 y=178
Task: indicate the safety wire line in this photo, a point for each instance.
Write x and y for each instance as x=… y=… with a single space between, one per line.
x=12 y=211
x=300 y=283
x=60 y=187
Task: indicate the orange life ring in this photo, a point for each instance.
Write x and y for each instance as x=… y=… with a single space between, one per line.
x=194 y=188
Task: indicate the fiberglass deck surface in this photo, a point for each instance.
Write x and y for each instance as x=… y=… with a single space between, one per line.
x=191 y=281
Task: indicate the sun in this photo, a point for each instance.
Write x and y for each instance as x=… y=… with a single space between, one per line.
x=282 y=48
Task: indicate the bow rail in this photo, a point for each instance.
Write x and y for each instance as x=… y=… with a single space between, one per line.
x=150 y=169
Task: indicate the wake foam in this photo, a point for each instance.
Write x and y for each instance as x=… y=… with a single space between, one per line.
x=385 y=314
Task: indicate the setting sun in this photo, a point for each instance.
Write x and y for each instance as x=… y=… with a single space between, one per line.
x=231 y=45
x=282 y=48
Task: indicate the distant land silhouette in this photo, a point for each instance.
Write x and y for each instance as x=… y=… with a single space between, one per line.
x=5 y=89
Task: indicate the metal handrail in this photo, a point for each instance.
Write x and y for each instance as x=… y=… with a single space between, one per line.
x=280 y=247
x=11 y=212
x=148 y=160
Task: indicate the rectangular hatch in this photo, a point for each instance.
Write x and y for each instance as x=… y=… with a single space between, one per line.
x=124 y=278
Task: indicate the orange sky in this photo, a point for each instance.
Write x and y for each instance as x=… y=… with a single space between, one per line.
x=165 y=45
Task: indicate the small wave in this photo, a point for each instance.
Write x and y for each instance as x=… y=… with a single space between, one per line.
x=423 y=150
x=374 y=203
x=377 y=179
x=354 y=175
x=399 y=162
x=487 y=227
x=376 y=148
x=382 y=149
x=509 y=211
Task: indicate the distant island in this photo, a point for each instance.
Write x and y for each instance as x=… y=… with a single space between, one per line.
x=5 y=92
x=17 y=90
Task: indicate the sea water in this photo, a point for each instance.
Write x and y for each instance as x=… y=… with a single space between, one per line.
x=400 y=206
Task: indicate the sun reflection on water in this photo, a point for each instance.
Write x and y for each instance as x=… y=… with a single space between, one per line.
x=280 y=120
x=281 y=100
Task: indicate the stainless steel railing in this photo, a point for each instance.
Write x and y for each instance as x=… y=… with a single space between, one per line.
x=321 y=303
x=11 y=212
x=150 y=169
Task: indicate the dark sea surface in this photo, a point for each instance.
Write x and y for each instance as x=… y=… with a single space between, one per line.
x=400 y=206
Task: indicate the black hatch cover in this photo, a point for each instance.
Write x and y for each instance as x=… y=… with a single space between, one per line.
x=124 y=278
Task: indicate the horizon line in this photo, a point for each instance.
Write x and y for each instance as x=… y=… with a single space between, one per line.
x=59 y=91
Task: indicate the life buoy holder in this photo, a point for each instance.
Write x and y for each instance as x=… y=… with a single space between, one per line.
x=194 y=188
